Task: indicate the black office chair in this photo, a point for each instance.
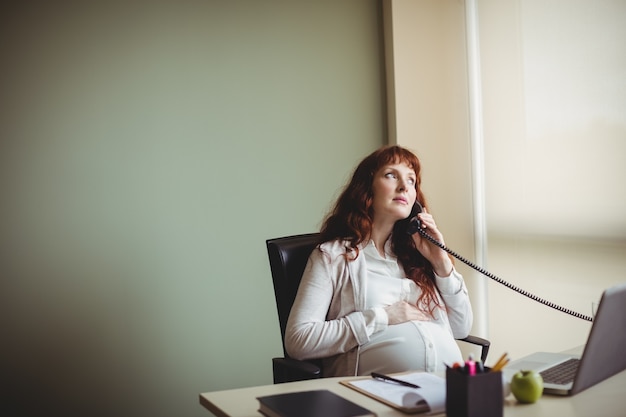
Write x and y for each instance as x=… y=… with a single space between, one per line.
x=288 y=257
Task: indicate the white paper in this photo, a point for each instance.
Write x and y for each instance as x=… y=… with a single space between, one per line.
x=432 y=390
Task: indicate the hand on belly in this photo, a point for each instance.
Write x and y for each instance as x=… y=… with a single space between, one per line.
x=401 y=312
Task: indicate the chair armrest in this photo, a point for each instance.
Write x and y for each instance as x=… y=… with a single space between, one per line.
x=289 y=370
x=479 y=341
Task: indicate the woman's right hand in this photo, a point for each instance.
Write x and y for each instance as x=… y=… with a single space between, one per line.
x=401 y=312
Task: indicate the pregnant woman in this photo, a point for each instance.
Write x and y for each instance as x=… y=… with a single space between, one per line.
x=374 y=298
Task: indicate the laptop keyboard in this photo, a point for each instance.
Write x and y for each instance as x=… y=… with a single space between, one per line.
x=562 y=373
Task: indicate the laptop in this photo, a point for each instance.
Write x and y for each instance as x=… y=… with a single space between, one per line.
x=602 y=357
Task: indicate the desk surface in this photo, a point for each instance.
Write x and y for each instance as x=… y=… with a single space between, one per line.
x=605 y=399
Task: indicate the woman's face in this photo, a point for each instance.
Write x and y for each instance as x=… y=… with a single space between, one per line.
x=394 y=192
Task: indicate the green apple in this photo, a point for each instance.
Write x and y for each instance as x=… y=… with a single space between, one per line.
x=527 y=386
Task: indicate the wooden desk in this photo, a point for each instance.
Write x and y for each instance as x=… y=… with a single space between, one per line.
x=606 y=399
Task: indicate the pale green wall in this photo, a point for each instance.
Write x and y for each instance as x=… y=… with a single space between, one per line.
x=146 y=154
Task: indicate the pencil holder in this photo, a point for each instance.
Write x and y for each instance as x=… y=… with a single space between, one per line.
x=477 y=395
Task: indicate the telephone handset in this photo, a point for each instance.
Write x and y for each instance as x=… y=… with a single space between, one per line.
x=415 y=225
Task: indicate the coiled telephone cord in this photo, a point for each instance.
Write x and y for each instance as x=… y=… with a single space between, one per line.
x=499 y=280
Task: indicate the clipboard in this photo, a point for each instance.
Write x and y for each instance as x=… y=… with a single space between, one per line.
x=429 y=398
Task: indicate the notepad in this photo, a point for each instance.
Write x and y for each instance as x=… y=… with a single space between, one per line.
x=316 y=403
x=429 y=397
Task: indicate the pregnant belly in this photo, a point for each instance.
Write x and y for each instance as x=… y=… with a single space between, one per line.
x=411 y=346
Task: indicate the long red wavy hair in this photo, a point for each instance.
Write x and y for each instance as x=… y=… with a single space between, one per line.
x=352 y=217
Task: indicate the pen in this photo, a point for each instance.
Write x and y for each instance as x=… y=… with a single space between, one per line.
x=480 y=368
x=471 y=365
x=390 y=379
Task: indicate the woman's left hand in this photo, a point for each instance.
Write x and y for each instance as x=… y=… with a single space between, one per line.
x=439 y=258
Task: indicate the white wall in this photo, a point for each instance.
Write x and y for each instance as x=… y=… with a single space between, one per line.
x=430 y=115
x=147 y=151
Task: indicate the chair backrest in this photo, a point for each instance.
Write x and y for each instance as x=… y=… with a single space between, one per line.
x=288 y=256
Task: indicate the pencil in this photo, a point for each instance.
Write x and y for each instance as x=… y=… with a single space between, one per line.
x=498 y=366
x=499 y=363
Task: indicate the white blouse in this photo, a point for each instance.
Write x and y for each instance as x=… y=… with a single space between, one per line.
x=417 y=345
